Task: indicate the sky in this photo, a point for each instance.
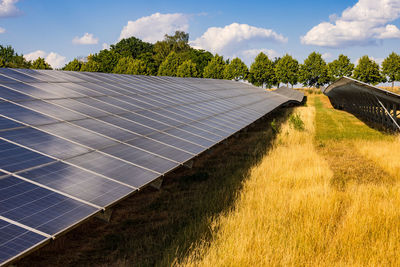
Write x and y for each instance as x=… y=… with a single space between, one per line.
x=60 y=31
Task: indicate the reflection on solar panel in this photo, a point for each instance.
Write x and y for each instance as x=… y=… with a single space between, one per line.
x=367 y=101
x=72 y=144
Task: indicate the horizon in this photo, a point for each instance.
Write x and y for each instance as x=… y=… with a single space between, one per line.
x=60 y=32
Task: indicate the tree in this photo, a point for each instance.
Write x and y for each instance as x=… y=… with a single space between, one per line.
x=313 y=72
x=40 y=63
x=129 y=65
x=367 y=71
x=199 y=57
x=170 y=65
x=391 y=68
x=187 y=69
x=150 y=62
x=340 y=67
x=215 y=68
x=106 y=60
x=178 y=43
x=286 y=70
x=90 y=65
x=132 y=47
x=236 y=70
x=262 y=71
x=10 y=59
x=74 y=65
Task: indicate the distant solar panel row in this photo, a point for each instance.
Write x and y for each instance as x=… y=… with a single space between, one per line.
x=73 y=143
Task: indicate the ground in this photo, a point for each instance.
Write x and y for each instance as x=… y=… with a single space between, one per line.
x=305 y=186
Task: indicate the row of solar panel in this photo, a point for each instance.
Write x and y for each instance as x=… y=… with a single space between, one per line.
x=67 y=154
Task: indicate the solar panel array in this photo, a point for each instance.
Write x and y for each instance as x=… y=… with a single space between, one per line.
x=72 y=144
x=366 y=101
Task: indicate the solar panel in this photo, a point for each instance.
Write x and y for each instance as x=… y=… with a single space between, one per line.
x=38 y=207
x=15 y=241
x=72 y=143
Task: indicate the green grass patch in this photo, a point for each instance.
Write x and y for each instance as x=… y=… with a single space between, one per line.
x=332 y=124
x=296 y=122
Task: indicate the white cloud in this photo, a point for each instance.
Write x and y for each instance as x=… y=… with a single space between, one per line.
x=326 y=56
x=8 y=8
x=2 y=30
x=234 y=37
x=249 y=55
x=34 y=55
x=364 y=23
x=105 y=46
x=86 y=39
x=55 y=60
x=153 y=28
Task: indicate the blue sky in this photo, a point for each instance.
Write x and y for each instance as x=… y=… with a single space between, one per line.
x=62 y=30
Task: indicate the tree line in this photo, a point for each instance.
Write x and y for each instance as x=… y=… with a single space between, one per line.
x=173 y=56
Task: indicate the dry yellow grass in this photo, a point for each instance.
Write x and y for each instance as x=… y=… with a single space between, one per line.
x=286 y=211
x=290 y=214
x=384 y=154
x=395 y=89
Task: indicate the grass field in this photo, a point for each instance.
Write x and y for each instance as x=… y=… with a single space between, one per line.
x=395 y=89
x=305 y=186
x=327 y=195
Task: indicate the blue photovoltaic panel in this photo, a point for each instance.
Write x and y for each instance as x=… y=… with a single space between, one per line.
x=38 y=207
x=8 y=94
x=74 y=142
x=114 y=168
x=43 y=142
x=78 y=183
x=8 y=124
x=23 y=114
x=14 y=158
x=15 y=240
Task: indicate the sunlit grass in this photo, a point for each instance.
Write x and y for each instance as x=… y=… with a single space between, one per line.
x=322 y=197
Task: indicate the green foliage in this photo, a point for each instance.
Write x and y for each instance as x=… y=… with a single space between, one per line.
x=170 y=65
x=149 y=61
x=74 y=65
x=236 y=70
x=40 y=63
x=91 y=66
x=340 y=67
x=106 y=60
x=391 y=67
x=10 y=59
x=178 y=43
x=262 y=71
x=129 y=65
x=200 y=57
x=287 y=69
x=296 y=122
x=274 y=126
x=215 y=68
x=314 y=72
x=187 y=69
x=131 y=47
x=367 y=71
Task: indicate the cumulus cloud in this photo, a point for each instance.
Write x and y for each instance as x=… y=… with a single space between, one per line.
x=105 y=46
x=86 y=39
x=235 y=37
x=326 y=56
x=249 y=55
x=364 y=23
x=2 y=30
x=153 y=28
x=8 y=8
x=55 y=60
